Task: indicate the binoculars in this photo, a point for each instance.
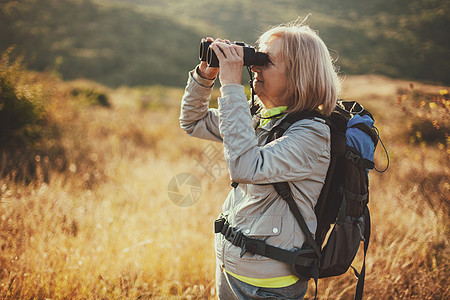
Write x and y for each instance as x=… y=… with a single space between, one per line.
x=251 y=56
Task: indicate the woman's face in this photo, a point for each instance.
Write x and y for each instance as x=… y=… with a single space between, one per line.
x=270 y=82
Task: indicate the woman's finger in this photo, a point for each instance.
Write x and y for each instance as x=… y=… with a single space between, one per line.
x=218 y=51
x=208 y=39
x=219 y=40
x=238 y=50
x=233 y=52
x=228 y=50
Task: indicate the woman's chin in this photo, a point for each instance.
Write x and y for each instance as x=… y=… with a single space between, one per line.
x=258 y=91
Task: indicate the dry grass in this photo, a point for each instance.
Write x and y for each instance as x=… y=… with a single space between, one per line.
x=105 y=228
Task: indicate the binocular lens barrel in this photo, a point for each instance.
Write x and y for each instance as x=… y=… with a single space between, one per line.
x=211 y=58
x=203 y=50
x=251 y=56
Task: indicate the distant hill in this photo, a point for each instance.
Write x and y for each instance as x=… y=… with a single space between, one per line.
x=138 y=42
x=114 y=45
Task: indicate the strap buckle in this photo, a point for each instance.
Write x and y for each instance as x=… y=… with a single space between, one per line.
x=218 y=224
x=253 y=246
x=233 y=235
x=222 y=226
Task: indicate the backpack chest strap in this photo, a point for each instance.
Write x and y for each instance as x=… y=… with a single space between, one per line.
x=260 y=247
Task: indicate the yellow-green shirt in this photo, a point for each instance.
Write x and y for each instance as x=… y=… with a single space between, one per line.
x=267 y=114
x=276 y=282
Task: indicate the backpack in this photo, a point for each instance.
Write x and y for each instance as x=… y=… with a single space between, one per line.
x=343 y=218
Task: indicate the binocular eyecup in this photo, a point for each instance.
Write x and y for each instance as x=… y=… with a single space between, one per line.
x=251 y=56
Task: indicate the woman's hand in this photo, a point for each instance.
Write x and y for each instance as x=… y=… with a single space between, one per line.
x=203 y=69
x=231 y=61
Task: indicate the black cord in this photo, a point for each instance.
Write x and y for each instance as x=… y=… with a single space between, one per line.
x=253 y=107
x=385 y=150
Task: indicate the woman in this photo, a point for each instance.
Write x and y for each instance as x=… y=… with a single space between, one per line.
x=299 y=77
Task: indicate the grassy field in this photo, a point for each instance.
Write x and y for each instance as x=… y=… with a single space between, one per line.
x=102 y=225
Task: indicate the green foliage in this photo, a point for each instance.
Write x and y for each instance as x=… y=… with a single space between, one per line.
x=92 y=96
x=36 y=115
x=138 y=42
x=18 y=113
x=25 y=130
x=15 y=113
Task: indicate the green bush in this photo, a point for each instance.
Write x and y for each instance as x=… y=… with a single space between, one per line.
x=92 y=96
x=26 y=131
x=20 y=109
x=17 y=116
x=43 y=128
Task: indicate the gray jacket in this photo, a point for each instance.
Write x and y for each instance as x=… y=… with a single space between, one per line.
x=301 y=157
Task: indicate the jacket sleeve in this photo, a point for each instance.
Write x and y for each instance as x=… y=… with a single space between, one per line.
x=195 y=116
x=302 y=152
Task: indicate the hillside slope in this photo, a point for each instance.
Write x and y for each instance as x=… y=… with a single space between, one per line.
x=113 y=45
x=138 y=42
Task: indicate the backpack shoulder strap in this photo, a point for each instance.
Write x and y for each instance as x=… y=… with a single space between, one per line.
x=290 y=119
x=367 y=130
x=284 y=191
x=283 y=188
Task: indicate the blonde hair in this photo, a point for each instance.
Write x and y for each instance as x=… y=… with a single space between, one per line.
x=312 y=81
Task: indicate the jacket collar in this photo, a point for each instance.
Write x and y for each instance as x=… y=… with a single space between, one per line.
x=268 y=116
